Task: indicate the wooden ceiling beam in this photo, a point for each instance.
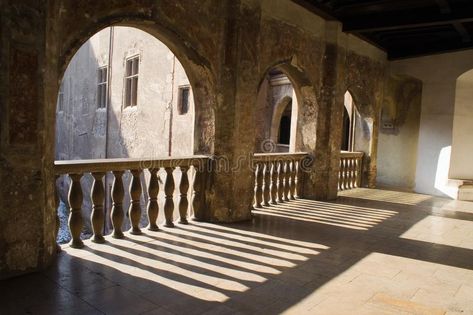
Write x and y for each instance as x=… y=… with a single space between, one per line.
x=371 y=23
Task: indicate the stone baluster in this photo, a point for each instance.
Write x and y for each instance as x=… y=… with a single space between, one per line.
x=344 y=174
x=75 y=215
x=259 y=184
x=97 y=216
x=197 y=190
x=355 y=172
x=297 y=179
x=280 y=181
x=266 y=183
x=292 y=175
x=183 y=189
x=117 y=215
x=352 y=173
x=358 y=171
x=153 y=208
x=347 y=173
x=169 y=192
x=57 y=199
x=134 y=210
x=287 y=179
x=340 y=175
x=274 y=182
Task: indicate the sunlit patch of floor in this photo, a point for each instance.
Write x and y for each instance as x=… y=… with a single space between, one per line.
x=345 y=216
x=439 y=230
x=386 y=196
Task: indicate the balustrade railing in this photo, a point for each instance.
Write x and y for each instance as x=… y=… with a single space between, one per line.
x=278 y=177
x=191 y=171
x=349 y=176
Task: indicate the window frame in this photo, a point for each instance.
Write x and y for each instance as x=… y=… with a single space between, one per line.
x=60 y=98
x=180 y=90
x=102 y=87
x=130 y=77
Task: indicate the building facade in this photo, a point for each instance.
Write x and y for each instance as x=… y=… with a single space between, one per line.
x=122 y=89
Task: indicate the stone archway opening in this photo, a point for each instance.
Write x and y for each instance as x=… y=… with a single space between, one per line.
x=124 y=94
x=349 y=124
x=276 y=115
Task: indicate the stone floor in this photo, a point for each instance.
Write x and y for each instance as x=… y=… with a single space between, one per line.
x=371 y=252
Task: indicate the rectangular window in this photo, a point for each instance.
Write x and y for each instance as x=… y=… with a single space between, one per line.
x=102 y=87
x=183 y=100
x=60 y=99
x=131 y=81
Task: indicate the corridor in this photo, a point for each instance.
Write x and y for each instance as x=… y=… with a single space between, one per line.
x=369 y=252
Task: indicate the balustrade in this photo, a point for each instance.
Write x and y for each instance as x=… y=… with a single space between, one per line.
x=277 y=176
x=349 y=176
x=197 y=165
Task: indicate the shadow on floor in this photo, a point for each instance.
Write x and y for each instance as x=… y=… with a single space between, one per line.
x=297 y=256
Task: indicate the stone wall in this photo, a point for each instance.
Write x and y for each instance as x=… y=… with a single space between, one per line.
x=399 y=133
x=225 y=47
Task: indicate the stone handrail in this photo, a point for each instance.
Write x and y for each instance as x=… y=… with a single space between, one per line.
x=349 y=176
x=100 y=167
x=278 y=177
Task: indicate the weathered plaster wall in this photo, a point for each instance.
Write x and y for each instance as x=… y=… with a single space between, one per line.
x=397 y=146
x=226 y=47
x=438 y=74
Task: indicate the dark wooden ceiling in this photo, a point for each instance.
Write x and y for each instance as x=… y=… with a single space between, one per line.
x=403 y=28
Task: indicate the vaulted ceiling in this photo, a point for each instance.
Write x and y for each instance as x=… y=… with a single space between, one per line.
x=403 y=28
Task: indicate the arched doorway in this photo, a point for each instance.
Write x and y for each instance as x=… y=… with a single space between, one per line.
x=276 y=120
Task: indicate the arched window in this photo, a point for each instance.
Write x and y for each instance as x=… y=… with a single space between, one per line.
x=348 y=124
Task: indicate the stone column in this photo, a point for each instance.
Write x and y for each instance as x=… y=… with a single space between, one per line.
x=321 y=181
x=230 y=195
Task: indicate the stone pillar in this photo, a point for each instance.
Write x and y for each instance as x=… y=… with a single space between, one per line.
x=27 y=202
x=321 y=181
x=231 y=192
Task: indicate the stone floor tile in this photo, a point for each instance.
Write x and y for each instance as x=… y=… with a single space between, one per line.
x=118 y=300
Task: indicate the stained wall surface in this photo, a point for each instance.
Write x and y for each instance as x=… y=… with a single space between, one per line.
x=399 y=133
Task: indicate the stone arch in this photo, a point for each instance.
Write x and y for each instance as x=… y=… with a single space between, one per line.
x=196 y=67
x=363 y=132
x=304 y=108
x=64 y=39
